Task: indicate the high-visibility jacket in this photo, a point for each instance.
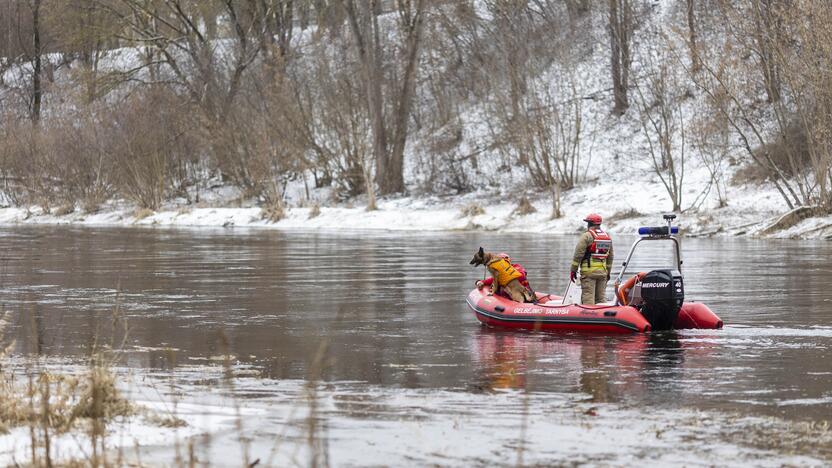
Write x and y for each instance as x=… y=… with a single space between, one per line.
x=505 y=271
x=593 y=254
x=601 y=245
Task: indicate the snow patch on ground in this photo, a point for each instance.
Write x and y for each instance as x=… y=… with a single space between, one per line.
x=358 y=424
x=625 y=205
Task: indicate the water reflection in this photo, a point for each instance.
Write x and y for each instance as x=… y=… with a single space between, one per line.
x=390 y=309
x=595 y=377
x=503 y=358
x=640 y=368
x=540 y=362
x=664 y=357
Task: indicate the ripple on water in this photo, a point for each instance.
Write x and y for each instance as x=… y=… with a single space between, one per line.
x=381 y=301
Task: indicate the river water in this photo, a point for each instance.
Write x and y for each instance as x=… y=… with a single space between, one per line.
x=380 y=319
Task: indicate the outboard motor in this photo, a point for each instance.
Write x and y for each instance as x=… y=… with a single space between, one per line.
x=662 y=295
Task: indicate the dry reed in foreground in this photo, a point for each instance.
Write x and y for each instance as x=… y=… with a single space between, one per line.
x=86 y=406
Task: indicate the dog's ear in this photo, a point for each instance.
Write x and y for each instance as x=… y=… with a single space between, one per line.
x=478 y=258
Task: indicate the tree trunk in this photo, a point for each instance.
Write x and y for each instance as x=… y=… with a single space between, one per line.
x=364 y=28
x=37 y=67
x=694 y=55
x=620 y=26
x=767 y=40
x=375 y=98
x=626 y=31
x=91 y=45
x=576 y=9
x=394 y=181
x=556 y=213
x=368 y=182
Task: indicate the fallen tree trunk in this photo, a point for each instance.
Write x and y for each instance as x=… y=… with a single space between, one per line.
x=790 y=219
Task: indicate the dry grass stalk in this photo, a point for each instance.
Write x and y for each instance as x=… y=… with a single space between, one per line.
x=65 y=210
x=62 y=402
x=142 y=213
x=91 y=207
x=273 y=212
x=315 y=211
x=229 y=382
x=524 y=207
x=471 y=210
x=52 y=404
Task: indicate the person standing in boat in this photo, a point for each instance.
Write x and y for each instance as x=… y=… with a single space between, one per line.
x=593 y=256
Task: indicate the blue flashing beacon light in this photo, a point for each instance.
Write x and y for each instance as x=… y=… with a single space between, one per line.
x=657 y=230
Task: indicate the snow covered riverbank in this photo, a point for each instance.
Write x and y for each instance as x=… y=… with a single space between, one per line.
x=752 y=211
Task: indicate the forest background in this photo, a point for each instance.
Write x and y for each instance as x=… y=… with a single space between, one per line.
x=496 y=114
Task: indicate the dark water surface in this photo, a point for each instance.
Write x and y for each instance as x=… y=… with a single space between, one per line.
x=390 y=307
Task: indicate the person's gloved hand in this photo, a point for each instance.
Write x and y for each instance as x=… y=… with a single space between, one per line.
x=480 y=285
x=573 y=275
x=608 y=276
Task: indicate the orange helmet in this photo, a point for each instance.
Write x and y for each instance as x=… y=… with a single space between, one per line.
x=593 y=218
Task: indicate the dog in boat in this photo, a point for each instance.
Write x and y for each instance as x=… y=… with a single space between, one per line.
x=506 y=278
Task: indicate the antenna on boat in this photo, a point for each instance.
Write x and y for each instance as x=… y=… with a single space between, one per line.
x=669 y=217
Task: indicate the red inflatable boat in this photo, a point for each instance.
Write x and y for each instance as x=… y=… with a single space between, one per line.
x=647 y=301
x=549 y=315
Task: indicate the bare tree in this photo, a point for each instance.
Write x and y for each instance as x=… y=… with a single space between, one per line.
x=323 y=117
x=728 y=83
x=711 y=137
x=148 y=134
x=621 y=32
x=663 y=126
x=83 y=29
x=278 y=25
x=25 y=179
x=766 y=33
x=544 y=137
x=211 y=75
x=390 y=129
x=717 y=84
x=804 y=62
